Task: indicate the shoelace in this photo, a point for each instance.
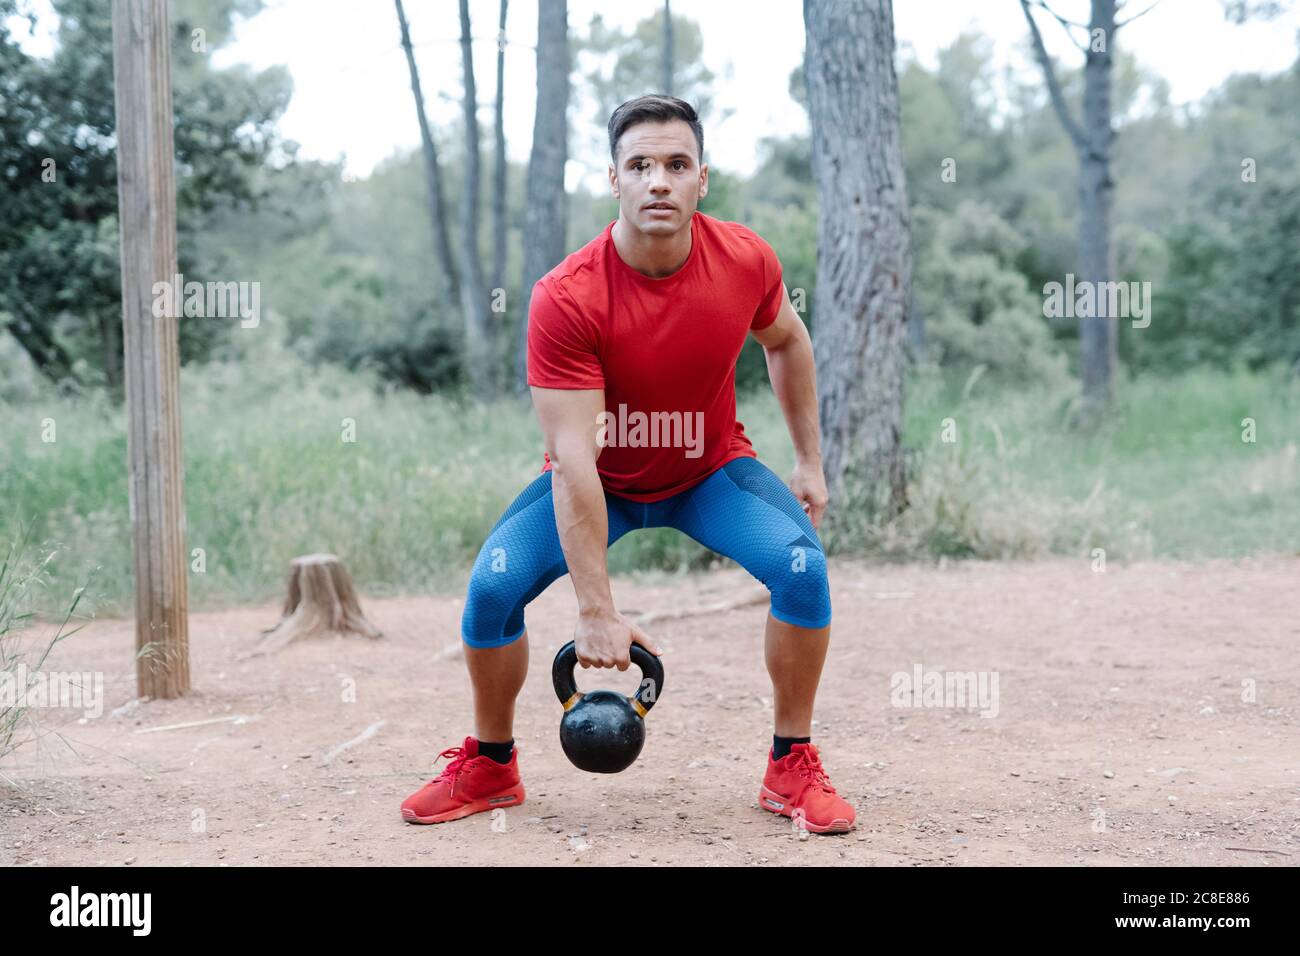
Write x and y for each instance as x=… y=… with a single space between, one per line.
x=458 y=765
x=810 y=766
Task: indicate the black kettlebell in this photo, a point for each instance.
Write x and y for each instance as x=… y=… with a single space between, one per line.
x=602 y=731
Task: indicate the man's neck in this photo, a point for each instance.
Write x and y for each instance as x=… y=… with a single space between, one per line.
x=654 y=256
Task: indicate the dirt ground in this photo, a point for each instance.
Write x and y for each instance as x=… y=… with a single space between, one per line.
x=1127 y=732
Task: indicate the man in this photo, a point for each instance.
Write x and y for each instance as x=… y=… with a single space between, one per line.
x=632 y=348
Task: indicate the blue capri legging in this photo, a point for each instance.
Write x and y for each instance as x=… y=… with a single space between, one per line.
x=742 y=510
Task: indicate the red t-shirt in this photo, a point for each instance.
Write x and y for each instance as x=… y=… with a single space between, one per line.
x=664 y=350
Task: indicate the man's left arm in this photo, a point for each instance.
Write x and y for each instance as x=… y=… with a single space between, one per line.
x=790 y=365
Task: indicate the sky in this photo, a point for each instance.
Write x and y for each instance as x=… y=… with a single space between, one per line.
x=352 y=97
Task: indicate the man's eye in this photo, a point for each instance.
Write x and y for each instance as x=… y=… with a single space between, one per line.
x=679 y=164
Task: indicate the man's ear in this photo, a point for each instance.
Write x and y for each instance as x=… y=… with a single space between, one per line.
x=613 y=182
x=704 y=180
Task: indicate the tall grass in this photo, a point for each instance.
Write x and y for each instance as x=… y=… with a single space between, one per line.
x=268 y=475
x=20 y=579
x=1168 y=474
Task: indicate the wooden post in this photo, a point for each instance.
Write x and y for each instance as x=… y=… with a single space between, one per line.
x=146 y=189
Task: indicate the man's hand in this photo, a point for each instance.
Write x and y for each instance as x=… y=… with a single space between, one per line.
x=809 y=485
x=788 y=349
x=604 y=639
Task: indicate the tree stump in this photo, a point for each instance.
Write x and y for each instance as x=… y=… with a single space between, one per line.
x=321 y=600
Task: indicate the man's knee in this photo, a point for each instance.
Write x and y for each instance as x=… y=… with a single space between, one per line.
x=492 y=616
x=800 y=587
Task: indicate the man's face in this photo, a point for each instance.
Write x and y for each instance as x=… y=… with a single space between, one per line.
x=659 y=180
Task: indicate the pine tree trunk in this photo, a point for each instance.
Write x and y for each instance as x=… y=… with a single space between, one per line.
x=473 y=298
x=1093 y=139
x=110 y=337
x=499 y=171
x=546 y=205
x=864 y=260
x=666 y=63
x=432 y=173
x=1098 y=346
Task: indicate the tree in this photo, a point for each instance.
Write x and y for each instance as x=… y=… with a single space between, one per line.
x=499 y=169
x=864 y=261
x=478 y=338
x=1239 y=11
x=628 y=64
x=432 y=171
x=60 y=287
x=546 y=212
x=667 y=80
x=1093 y=141
x=1231 y=291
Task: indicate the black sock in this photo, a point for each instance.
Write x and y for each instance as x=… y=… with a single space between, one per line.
x=781 y=745
x=498 y=752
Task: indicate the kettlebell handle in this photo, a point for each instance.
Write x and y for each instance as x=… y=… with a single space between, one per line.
x=652 y=677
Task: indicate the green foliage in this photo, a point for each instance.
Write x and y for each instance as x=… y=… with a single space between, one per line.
x=977 y=308
x=619 y=65
x=348 y=272
x=792 y=232
x=407 y=505
x=948 y=115
x=348 y=267
x=59 y=274
x=1169 y=475
x=1231 y=289
x=269 y=476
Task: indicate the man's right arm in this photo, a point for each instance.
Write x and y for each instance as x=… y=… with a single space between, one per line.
x=570 y=423
x=569 y=420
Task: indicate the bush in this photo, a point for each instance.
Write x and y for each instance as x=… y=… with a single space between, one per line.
x=977 y=308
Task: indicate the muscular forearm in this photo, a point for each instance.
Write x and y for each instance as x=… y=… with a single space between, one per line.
x=583 y=525
x=794 y=380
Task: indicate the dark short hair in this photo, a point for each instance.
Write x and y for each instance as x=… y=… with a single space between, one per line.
x=652 y=108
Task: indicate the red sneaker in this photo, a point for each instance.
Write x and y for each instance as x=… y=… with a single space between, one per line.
x=469 y=784
x=797 y=785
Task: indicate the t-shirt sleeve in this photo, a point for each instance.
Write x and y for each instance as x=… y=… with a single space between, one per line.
x=773 y=289
x=562 y=344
